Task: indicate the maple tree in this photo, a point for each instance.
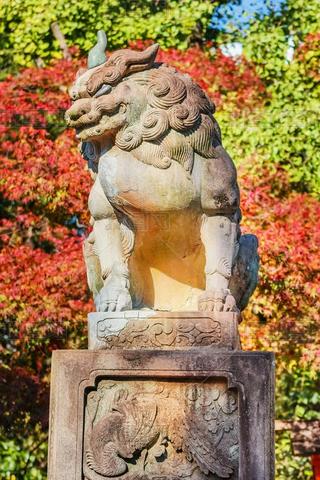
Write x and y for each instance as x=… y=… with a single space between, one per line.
x=44 y=299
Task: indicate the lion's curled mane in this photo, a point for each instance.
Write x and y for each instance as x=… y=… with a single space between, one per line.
x=178 y=117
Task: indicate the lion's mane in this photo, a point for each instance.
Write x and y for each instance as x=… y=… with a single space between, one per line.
x=178 y=119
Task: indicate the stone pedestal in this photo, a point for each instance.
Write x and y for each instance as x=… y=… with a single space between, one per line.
x=188 y=405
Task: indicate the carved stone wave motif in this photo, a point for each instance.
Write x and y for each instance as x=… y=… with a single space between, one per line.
x=161 y=430
x=159 y=333
x=141 y=329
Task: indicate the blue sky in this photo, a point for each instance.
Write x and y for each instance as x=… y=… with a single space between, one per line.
x=241 y=12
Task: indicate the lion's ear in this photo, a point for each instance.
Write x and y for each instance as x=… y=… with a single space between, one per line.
x=120 y=64
x=138 y=61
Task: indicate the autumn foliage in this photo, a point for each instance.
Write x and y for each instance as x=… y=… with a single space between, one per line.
x=43 y=281
x=44 y=187
x=284 y=314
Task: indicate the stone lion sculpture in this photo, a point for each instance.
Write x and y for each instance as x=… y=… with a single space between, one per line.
x=165 y=199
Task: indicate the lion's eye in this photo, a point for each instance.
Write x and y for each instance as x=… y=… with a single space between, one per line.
x=103 y=90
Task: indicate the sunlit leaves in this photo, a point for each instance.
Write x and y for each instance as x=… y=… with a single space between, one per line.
x=25 y=33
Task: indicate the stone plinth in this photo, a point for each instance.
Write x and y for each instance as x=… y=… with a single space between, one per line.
x=148 y=329
x=195 y=414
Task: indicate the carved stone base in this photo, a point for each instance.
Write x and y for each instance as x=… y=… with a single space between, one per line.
x=193 y=414
x=150 y=329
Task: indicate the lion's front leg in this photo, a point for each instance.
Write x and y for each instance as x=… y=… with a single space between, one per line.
x=219 y=236
x=220 y=230
x=110 y=244
x=114 y=295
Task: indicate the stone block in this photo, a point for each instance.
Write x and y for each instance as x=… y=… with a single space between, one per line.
x=193 y=414
x=147 y=329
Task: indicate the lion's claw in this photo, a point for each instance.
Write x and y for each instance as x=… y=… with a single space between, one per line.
x=113 y=297
x=217 y=301
x=230 y=304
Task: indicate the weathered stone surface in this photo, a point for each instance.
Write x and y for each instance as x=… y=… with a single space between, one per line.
x=145 y=329
x=165 y=200
x=169 y=415
x=176 y=429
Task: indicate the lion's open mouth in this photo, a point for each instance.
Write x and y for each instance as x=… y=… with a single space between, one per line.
x=78 y=118
x=85 y=132
x=101 y=128
x=85 y=119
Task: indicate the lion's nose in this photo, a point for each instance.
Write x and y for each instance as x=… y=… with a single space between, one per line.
x=73 y=95
x=78 y=109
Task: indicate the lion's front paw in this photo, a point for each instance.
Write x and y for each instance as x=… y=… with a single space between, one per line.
x=113 y=297
x=217 y=301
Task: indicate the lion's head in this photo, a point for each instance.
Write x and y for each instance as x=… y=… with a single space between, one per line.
x=144 y=107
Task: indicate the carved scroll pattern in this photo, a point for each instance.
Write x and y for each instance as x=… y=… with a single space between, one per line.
x=161 y=333
x=161 y=430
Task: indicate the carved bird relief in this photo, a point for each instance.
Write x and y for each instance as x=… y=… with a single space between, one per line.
x=189 y=434
x=126 y=429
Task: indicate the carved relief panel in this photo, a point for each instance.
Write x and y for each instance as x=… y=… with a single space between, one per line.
x=146 y=329
x=161 y=430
